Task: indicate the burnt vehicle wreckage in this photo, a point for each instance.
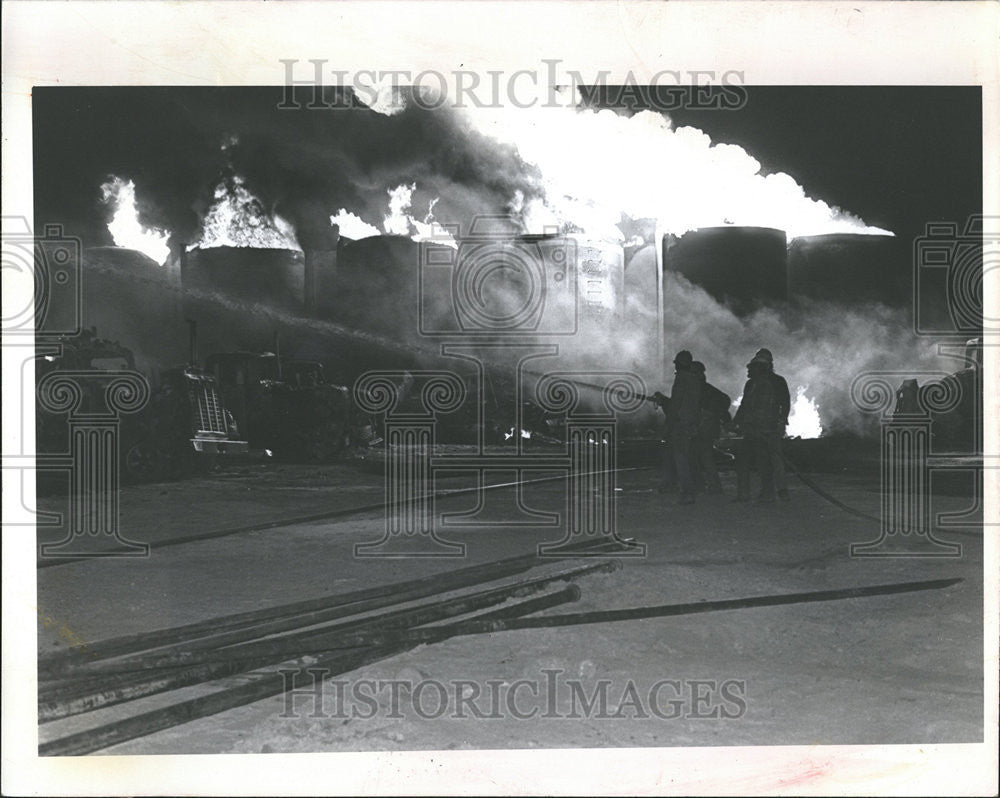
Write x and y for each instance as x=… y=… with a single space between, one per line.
x=245 y=402
x=183 y=423
x=287 y=406
x=238 y=403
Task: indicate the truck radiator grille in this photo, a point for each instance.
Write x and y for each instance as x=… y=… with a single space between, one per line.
x=208 y=416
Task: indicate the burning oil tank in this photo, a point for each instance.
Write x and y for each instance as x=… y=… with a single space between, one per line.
x=843 y=267
x=553 y=283
x=742 y=267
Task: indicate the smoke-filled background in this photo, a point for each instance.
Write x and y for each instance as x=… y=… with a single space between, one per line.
x=165 y=170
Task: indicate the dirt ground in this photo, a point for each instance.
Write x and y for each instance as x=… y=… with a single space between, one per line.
x=904 y=668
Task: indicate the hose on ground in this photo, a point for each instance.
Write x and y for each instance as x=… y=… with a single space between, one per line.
x=811 y=484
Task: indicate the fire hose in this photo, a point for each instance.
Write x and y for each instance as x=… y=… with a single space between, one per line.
x=660 y=401
x=824 y=494
x=809 y=483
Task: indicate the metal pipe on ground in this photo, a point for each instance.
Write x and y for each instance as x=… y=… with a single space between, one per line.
x=350 y=603
x=485 y=625
x=290 y=644
x=161 y=674
x=480 y=626
x=264 y=686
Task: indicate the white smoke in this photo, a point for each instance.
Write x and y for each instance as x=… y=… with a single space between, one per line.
x=388 y=99
x=820 y=352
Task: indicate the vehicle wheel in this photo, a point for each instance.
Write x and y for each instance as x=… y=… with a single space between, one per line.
x=145 y=461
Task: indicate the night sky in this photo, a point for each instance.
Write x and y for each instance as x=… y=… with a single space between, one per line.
x=898 y=157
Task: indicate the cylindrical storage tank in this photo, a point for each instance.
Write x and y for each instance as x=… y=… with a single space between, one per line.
x=374 y=286
x=520 y=285
x=319 y=252
x=496 y=284
x=742 y=267
x=549 y=283
x=585 y=297
x=642 y=322
x=272 y=277
x=843 y=267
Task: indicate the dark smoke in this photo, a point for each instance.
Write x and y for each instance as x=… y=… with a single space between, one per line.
x=304 y=164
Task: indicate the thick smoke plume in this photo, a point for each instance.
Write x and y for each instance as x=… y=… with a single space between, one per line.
x=395 y=173
x=819 y=347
